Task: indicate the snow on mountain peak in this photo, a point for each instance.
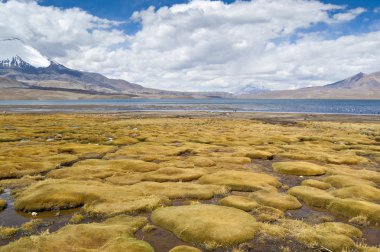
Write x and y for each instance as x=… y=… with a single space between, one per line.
x=15 y=52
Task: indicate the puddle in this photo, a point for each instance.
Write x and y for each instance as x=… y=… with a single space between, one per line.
x=9 y=217
x=160 y=239
x=51 y=220
x=371 y=236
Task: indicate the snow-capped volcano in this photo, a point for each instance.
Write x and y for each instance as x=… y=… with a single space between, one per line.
x=25 y=71
x=16 y=54
x=23 y=63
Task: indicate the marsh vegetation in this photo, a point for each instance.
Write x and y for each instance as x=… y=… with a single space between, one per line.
x=129 y=183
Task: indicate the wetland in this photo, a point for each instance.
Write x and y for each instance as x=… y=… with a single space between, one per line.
x=189 y=181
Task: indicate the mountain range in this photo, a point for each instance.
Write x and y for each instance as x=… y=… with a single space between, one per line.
x=26 y=74
x=359 y=86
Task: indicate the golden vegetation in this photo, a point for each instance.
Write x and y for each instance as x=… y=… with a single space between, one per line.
x=210 y=225
x=299 y=168
x=240 y=202
x=238 y=179
x=115 y=234
x=3 y=204
x=184 y=248
x=277 y=200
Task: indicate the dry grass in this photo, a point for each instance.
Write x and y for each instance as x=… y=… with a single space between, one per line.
x=373 y=176
x=76 y=218
x=316 y=183
x=360 y=220
x=184 y=248
x=97 y=198
x=352 y=208
x=360 y=192
x=139 y=168
x=331 y=235
x=3 y=204
x=339 y=181
x=210 y=225
x=267 y=214
x=312 y=196
x=240 y=202
x=299 y=168
x=32 y=225
x=174 y=174
x=240 y=181
x=99 y=169
x=179 y=190
x=32 y=158
x=114 y=234
x=7 y=232
x=274 y=199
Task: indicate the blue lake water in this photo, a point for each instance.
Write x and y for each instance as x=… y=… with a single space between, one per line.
x=370 y=107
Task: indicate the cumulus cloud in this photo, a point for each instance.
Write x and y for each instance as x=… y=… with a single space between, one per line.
x=203 y=44
x=377 y=10
x=349 y=15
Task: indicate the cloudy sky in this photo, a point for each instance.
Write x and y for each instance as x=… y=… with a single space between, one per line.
x=203 y=45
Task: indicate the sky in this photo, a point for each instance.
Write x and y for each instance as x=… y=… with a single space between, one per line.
x=203 y=45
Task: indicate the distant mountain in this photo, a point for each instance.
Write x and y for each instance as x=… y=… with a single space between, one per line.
x=359 y=86
x=34 y=71
x=10 y=83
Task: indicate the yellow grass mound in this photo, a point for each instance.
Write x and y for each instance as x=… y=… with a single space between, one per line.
x=179 y=190
x=362 y=173
x=311 y=196
x=333 y=236
x=240 y=202
x=99 y=169
x=174 y=174
x=3 y=204
x=97 y=198
x=299 y=168
x=360 y=192
x=112 y=235
x=353 y=208
x=277 y=200
x=33 y=158
x=210 y=225
x=316 y=183
x=240 y=180
x=339 y=181
x=184 y=248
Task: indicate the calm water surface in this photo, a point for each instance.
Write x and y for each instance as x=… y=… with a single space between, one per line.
x=242 y=105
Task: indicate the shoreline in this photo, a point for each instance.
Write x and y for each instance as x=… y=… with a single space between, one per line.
x=271 y=117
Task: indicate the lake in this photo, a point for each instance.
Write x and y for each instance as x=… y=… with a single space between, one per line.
x=369 y=107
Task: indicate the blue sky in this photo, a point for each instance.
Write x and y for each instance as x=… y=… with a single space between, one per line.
x=204 y=45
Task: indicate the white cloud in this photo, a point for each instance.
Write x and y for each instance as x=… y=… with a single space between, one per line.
x=203 y=44
x=349 y=15
x=377 y=10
